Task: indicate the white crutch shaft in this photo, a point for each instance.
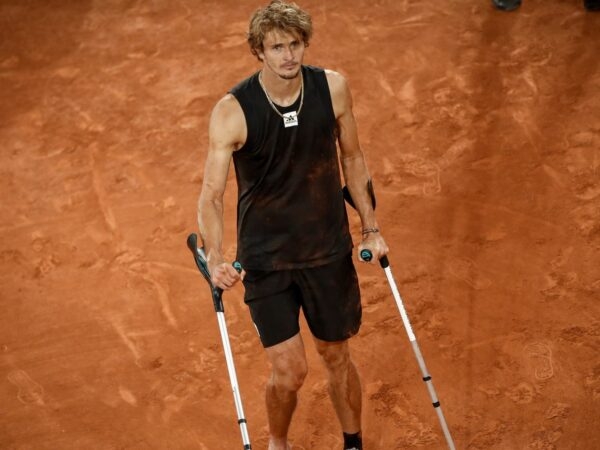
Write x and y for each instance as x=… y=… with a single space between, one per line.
x=384 y=262
x=233 y=379
x=200 y=259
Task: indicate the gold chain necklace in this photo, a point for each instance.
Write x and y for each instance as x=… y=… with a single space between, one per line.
x=290 y=119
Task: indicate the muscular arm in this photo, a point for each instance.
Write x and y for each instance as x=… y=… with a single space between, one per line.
x=227 y=133
x=354 y=167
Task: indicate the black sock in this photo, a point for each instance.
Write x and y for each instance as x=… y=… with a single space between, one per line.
x=352 y=441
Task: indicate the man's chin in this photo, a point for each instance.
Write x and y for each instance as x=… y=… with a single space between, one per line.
x=289 y=76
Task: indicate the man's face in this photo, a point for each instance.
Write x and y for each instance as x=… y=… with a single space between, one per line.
x=282 y=53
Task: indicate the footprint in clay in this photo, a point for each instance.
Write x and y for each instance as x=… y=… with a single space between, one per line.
x=540 y=354
x=29 y=392
x=466 y=270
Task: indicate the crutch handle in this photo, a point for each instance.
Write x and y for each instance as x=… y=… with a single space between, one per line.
x=367 y=255
x=237 y=266
x=200 y=258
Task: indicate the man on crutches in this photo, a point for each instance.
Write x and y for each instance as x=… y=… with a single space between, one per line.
x=281 y=126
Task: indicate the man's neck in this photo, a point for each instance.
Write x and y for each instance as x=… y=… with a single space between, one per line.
x=282 y=91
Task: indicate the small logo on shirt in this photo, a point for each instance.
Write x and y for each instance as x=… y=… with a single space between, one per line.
x=290 y=119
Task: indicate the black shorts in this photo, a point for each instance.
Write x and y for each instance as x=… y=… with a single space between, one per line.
x=328 y=295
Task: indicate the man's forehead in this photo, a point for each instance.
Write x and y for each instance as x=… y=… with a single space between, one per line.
x=279 y=36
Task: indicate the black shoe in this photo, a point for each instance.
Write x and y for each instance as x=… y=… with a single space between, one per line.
x=592 y=5
x=352 y=441
x=507 y=5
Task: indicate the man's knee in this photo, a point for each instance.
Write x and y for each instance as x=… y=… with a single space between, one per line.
x=290 y=375
x=335 y=355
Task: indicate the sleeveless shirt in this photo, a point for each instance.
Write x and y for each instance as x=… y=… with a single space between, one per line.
x=291 y=212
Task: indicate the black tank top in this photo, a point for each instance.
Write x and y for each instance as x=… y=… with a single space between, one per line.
x=291 y=212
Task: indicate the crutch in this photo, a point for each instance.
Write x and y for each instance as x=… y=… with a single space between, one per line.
x=200 y=258
x=385 y=265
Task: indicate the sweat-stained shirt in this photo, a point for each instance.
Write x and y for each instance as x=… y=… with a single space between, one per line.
x=291 y=212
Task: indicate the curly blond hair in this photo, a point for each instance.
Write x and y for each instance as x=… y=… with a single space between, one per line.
x=279 y=15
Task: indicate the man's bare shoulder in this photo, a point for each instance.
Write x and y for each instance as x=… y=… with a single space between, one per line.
x=227 y=122
x=337 y=82
x=340 y=93
x=226 y=107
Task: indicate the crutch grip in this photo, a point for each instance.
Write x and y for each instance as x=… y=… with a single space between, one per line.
x=367 y=255
x=202 y=264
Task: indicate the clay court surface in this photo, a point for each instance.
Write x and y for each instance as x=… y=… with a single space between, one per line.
x=482 y=134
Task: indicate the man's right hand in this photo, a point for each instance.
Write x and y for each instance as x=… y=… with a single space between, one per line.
x=224 y=276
